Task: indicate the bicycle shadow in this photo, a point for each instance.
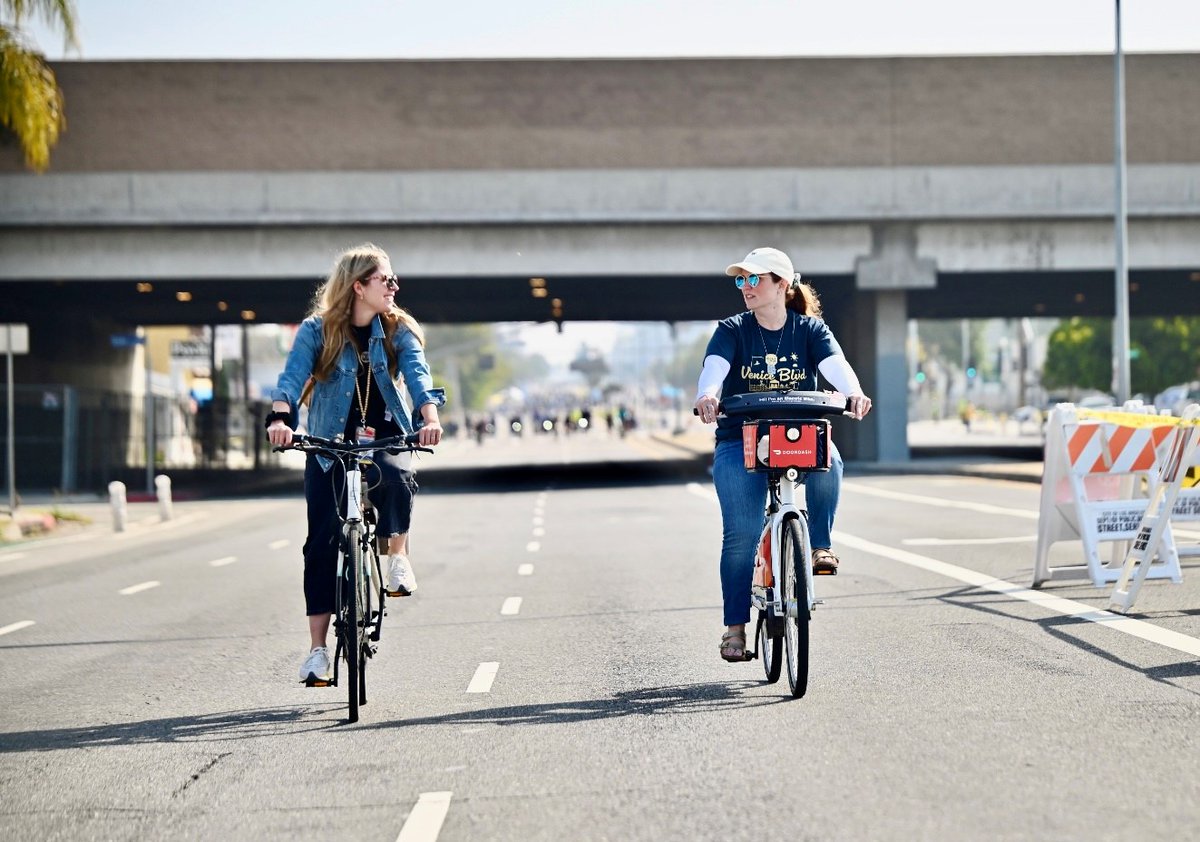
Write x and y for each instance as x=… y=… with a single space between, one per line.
x=653 y=701
x=223 y=726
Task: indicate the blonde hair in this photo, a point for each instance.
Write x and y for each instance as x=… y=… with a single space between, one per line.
x=334 y=303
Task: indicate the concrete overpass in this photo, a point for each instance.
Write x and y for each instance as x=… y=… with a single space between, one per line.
x=904 y=187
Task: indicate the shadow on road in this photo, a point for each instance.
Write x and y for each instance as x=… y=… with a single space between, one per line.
x=227 y=725
x=683 y=698
x=1060 y=627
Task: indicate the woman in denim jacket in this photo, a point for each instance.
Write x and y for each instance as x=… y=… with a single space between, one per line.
x=349 y=355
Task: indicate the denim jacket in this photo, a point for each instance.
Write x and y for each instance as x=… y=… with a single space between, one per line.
x=331 y=399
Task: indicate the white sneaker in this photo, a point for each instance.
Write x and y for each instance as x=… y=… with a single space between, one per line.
x=316 y=671
x=401 y=580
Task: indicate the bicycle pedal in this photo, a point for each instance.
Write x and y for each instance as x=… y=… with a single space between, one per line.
x=749 y=655
x=313 y=681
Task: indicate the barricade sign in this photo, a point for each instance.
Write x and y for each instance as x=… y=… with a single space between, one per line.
x=1096 y=463
x=1160 y=510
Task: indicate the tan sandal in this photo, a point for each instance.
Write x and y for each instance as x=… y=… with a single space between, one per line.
x=825 y=563
x=733 y=647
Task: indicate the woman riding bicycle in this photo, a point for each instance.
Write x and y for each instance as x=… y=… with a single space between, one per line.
x=348 y=355
x=780 y=342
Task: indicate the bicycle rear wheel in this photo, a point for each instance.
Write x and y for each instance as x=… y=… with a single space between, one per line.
x=795 y=554
x=349 y=627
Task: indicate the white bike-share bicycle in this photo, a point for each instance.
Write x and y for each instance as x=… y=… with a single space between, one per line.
x=784 y=436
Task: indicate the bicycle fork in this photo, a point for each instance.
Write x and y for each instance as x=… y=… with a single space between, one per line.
x=781 y=508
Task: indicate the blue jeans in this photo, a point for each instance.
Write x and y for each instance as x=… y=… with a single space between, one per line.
x=743 y=496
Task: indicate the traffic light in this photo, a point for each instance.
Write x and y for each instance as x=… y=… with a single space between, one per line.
x=971 y=370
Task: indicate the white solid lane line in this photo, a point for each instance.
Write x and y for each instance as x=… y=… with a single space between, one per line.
x=1066 y=607
x=424 y=823
x=17 y=626
x=144 y=586
x=512 y=605
x=952 y=542
x=485 y=674
x=221 y=562
x=280 y=544
x=12 y=556
x=942 y=502
x=525 y=570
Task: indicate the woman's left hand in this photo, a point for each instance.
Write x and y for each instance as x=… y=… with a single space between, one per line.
x=858 y=406
x=430 y=434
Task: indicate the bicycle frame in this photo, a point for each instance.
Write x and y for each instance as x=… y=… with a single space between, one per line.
x=781 y=505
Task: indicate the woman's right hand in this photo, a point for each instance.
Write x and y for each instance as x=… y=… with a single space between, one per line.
x=279 y=434
x=706 y=408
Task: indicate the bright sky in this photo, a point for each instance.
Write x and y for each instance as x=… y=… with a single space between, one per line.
x=118 y=29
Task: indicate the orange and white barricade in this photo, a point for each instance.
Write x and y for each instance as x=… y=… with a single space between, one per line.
x=1161 y=509
x=1095 y=464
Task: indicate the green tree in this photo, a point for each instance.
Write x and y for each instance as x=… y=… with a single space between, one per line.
x=32 y=107
x=1079 y=355
x=1164 y=351
x=482 y=370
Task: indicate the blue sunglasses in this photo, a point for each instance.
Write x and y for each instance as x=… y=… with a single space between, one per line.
x=742 y=280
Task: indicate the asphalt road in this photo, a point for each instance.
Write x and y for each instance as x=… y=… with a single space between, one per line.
x=556 y=676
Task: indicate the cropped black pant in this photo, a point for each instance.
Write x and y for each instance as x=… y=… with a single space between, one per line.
x=325 y=492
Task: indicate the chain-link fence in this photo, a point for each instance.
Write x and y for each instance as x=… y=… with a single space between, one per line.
x=71 y=439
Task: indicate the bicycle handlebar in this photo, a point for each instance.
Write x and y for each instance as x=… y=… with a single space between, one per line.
x=814 y=404
x=316 y=444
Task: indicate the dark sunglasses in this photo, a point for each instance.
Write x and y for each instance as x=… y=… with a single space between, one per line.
x=753 y=280
x=389 y=281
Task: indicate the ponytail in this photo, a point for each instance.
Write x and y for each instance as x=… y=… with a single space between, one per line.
x=802 y=298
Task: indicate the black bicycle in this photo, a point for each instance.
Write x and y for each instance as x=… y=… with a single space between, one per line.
x=358 y=618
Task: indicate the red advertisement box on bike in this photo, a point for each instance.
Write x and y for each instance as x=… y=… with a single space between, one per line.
x=774 y=445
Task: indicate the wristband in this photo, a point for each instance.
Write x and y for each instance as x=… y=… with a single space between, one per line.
x=272 y=417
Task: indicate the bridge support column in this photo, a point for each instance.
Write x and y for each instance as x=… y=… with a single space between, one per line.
x=880 y=322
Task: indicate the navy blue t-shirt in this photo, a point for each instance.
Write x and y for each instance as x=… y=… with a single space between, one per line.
x=763 y=360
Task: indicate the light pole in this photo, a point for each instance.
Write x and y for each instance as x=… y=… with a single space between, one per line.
x=1121 y=324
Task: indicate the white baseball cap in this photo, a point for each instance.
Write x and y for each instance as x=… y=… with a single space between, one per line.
x=763 y=260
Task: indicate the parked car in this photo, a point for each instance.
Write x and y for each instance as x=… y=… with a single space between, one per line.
x=1190 y=396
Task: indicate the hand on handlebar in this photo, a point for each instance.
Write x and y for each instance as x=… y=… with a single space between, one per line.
x=429 y=434
x=706 y=408
x=280 y=434
x=857 y=406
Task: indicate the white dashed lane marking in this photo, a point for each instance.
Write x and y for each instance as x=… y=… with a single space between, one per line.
x=525 y=570
x=424 y=823
x=280 y=544
x=221 y=562
x=17 y=626
x=512 y=605
x=138 y=588
x=485 y=674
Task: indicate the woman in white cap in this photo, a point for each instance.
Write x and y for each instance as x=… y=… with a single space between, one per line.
x=779 y=342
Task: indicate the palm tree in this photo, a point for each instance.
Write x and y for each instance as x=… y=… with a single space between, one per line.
x=31 y=103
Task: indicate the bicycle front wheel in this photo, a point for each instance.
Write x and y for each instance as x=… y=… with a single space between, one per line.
x=349 y=627
x=795 y=554
x=770 y=649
